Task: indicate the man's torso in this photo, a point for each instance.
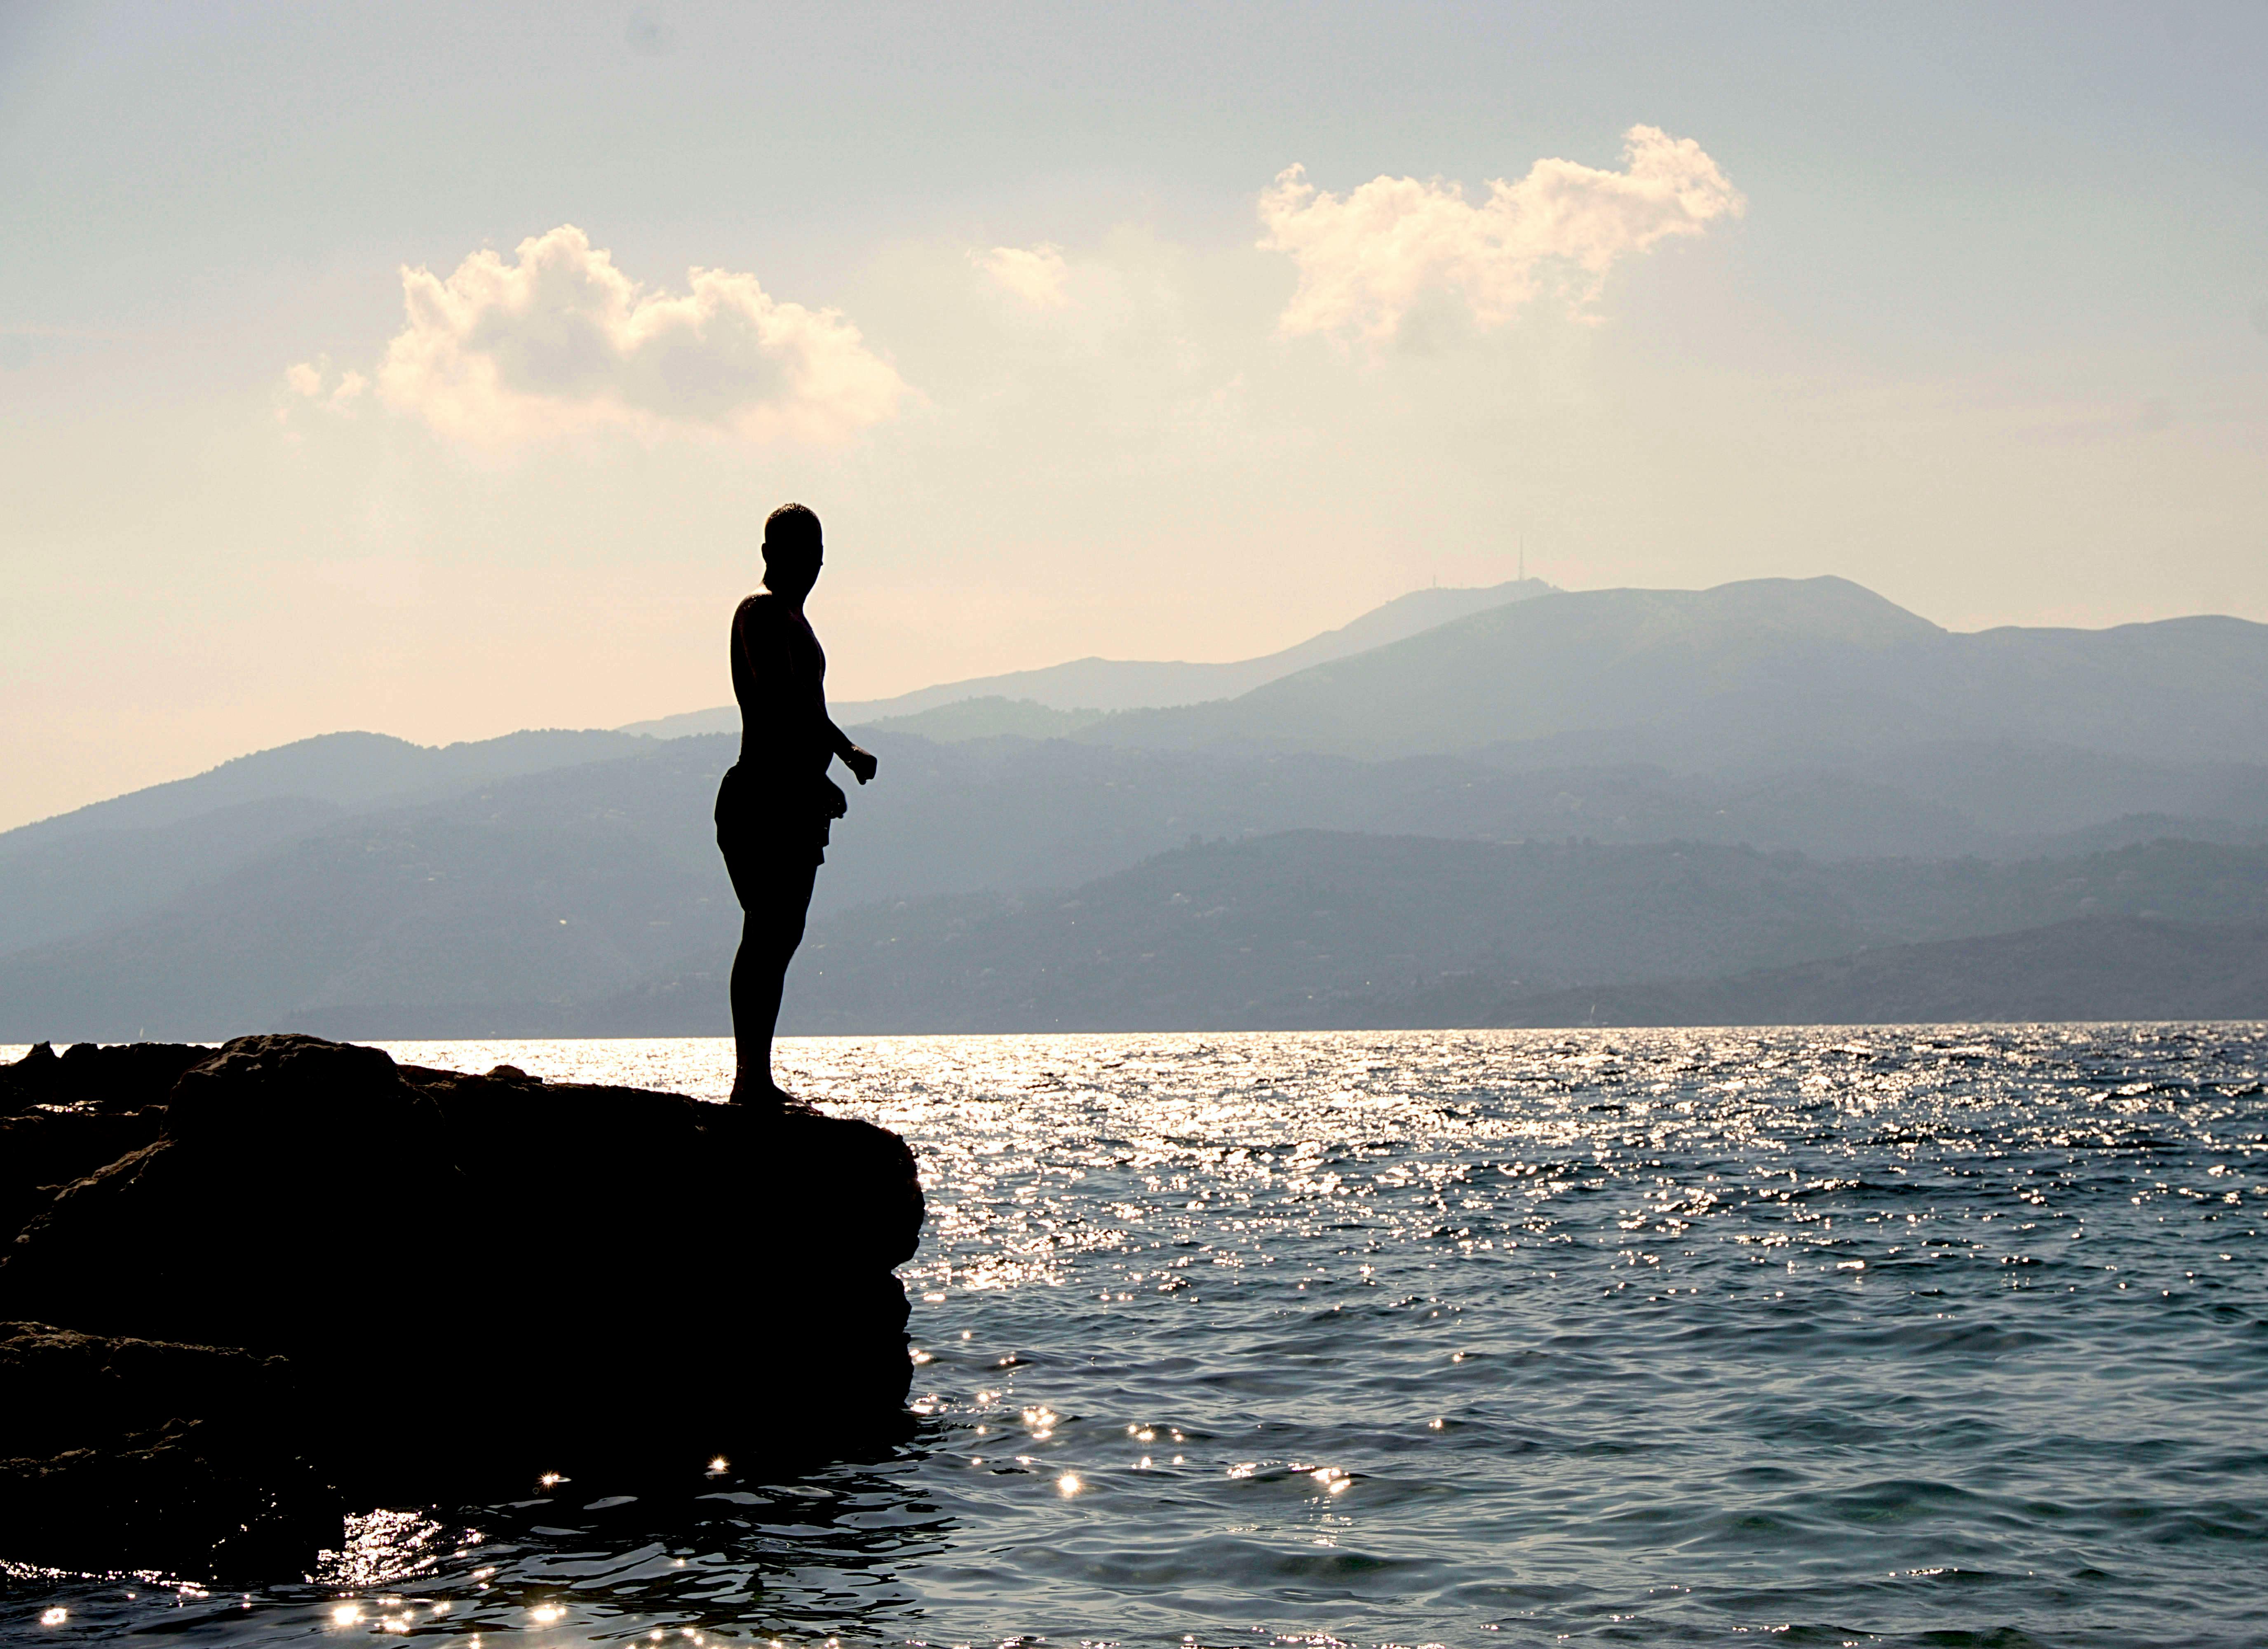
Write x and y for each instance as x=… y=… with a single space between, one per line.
x=777 y=791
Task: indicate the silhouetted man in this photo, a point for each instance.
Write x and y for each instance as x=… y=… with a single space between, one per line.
x=775 y=805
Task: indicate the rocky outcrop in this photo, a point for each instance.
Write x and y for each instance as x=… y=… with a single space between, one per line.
x=454 y=1279
x=160 y=1456
x=60 y=1119
x=87 y=1077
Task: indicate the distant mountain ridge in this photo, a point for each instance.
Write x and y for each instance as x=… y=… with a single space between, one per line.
x=1117 y=684
x=338 y=769
x=535 y=911
x=2088 y=969
x=557 y=878
x=106 y=862
x=1775 y=669
x=1312 y=928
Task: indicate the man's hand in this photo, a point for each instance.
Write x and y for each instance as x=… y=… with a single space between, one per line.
x=861 y=764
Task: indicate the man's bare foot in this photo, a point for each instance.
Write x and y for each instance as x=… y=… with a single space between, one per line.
x=769 y=1097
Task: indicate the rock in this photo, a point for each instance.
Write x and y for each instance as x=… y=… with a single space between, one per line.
x=93 y=1077
x=38 y=1064
x=119 y=1453
x=62 y=1118
x=486 y=1277
x=42 y=1152
x=289 y=1183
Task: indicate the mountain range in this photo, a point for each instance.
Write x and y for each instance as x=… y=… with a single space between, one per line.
x=1771 y=671
x=2089 y=967
x=1541 y=792
x=1101 y=685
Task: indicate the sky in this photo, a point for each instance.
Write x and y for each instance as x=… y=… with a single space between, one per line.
x=430 y=368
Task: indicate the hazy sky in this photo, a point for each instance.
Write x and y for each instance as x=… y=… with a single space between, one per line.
x=430 y=368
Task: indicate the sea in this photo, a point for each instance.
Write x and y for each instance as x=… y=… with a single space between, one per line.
x=1951 y=1335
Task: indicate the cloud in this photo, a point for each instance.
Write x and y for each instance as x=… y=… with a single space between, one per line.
x=1034 y=273
x=306 y=381
x=1366 y=258
x=558 y=341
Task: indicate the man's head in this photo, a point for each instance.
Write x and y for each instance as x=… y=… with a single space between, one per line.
x=792 y=551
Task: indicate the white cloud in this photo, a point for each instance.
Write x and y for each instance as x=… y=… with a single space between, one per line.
x=1034 y=273
x=559 y=341
x=306 y=381
x=1365 y=258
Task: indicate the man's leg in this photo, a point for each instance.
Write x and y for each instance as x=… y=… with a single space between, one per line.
x=756 y=1009
x=774 y=901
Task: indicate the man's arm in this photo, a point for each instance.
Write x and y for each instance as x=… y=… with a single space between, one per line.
x=860 y=762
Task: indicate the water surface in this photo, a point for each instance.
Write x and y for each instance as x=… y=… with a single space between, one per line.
x=1938 y=1336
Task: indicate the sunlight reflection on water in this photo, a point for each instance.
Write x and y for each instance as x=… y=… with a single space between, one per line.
x=1466 y=1338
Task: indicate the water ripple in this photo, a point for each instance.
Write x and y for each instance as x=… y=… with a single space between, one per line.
x=1944 y=1336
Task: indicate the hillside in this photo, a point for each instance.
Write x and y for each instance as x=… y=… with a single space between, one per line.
x=1117 y=684
x=1773 y=671
x=991 y=717
x=530 y=900
x=1009 y=813
x=477 y=922
x=1808 y=728
x=1767 y=713
x=337 y=770
x=97 y=865
x=484 y=907
x=1318 y=929
x=2090 y=968
x=631 y=836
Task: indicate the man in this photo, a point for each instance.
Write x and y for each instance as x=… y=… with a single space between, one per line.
x=776 y=802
